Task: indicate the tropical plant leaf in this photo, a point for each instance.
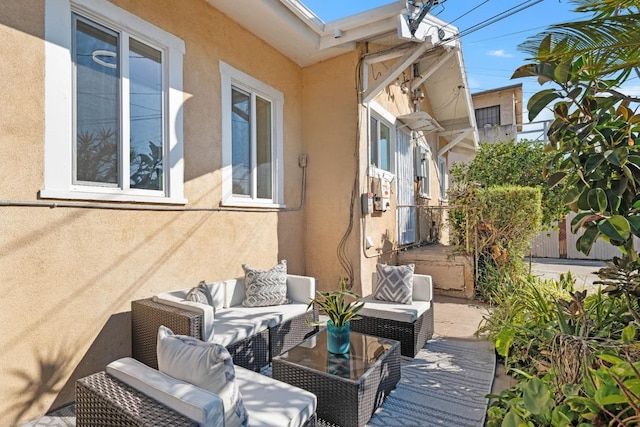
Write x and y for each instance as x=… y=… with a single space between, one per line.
x=616 y=228
x=598 y=200
x=536 y=396
x=540 y=100
x=586 y=241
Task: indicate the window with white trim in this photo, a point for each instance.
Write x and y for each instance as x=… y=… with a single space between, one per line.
x=113 y=94
x=380 y=143
x=251 y=140
x=442 y=176
x=422 y=156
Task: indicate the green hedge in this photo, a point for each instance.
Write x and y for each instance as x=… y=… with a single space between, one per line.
x=499 y=223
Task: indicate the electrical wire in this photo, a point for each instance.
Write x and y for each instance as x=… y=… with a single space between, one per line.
x=498 y=17
x=468 y=12
x=341 y=251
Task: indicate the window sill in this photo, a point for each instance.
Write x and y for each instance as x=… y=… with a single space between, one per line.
x=247 y=203
x=110 y=197
x=375 y=172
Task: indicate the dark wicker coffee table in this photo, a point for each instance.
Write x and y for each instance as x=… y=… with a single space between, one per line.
x=349 y=387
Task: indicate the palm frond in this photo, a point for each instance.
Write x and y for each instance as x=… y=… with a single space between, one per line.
x=614 y=35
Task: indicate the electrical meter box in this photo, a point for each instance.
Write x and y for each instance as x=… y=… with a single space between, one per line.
x=382 y=194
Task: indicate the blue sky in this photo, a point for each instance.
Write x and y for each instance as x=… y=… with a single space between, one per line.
x=491 y=53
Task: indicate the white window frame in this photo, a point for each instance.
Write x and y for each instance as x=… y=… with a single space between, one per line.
x=423 y=168
x=230 y=76
x=381 y=114
x=442 y=178
x=59 y=89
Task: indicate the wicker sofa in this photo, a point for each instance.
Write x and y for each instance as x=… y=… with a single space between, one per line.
x=411 y=324
x=253 y=335
x=129 y=393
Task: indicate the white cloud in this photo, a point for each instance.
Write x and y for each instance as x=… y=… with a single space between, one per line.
x=500 y=53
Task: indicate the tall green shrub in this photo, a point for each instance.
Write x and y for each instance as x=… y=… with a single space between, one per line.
x=513 y=163
x=497 y=223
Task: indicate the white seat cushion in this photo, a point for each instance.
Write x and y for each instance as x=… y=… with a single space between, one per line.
x=237 y=323
x=193 y=402
x=407 y=313
x=273 y=403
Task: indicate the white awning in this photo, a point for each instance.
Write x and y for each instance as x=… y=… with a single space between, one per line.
x=420 y=121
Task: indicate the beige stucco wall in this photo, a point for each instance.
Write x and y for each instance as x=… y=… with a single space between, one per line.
x=505 y=99
x=382 y=226
x=70 y=274
x=330 y=122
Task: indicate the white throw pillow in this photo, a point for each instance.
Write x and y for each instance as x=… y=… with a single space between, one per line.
x=206 y=365
x=395 y=283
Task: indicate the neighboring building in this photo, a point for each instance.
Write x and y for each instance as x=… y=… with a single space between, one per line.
x=498 y=113
x=151 y=144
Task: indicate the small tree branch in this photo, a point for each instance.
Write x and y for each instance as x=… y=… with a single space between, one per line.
x=619 y=94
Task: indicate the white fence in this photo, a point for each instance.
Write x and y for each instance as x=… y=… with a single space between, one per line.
x=547 y=245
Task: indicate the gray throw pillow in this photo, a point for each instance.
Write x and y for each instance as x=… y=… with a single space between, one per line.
x=201 y=294
x=395 y=283
x=265 y=288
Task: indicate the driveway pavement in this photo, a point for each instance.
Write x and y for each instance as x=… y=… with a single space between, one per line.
x=582 y=270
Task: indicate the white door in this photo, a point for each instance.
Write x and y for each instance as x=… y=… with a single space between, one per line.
x=406 y=209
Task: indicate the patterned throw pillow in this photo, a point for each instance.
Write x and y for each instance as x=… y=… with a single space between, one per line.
x=265 y=288
x=395 y=283
x=206 y=365
x=200 y=294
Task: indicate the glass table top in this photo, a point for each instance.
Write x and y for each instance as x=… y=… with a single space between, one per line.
x=364 y=352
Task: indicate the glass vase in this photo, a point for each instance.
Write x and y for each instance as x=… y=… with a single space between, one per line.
x=338 y=338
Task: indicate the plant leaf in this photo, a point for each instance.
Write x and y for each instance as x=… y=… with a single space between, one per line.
x=540 y=100
x=537 y=398
x=615 y=228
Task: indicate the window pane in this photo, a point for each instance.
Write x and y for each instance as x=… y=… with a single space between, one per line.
x=385 y=147
x=145 y=103
x=263 y=148
x=488 y=116
x=97 y=101
x=442 y=166
x=373 y=144
x=241 y=141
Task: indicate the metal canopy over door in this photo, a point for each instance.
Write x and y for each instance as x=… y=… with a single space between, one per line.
x=406 y=208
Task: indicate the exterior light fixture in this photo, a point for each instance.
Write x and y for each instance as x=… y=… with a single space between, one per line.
x=418 y=96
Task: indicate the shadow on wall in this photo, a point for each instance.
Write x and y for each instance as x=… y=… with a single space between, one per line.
x=54 y=366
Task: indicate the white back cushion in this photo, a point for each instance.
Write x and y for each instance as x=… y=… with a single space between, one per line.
x=193 y=402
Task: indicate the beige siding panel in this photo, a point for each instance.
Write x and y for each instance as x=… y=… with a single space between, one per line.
x=545 y=245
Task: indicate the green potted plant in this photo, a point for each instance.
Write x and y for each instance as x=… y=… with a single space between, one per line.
x=340 y=312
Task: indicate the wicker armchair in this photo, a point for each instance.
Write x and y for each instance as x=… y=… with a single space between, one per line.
x=104 y=400
x=413 y=325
